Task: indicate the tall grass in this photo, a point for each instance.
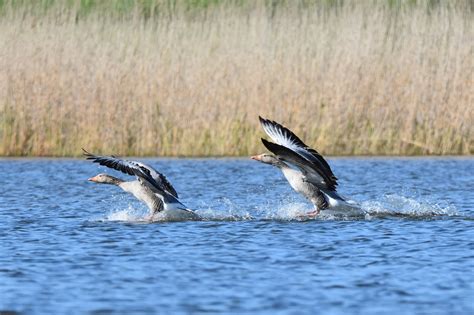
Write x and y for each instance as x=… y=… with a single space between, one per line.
x=189 y=78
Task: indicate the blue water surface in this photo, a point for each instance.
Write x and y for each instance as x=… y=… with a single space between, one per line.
x=69 y=246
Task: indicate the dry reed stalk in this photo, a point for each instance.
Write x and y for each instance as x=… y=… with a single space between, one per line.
x=358 y=79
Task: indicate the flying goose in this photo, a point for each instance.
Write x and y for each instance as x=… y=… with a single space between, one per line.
x=150 y=187
x=305 y=169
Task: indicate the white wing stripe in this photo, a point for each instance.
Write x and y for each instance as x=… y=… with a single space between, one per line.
x=280 y=138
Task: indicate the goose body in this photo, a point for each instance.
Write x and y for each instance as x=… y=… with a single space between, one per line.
x=296 y=180
x=143 y=194
x=304 y=168
x=150 y=187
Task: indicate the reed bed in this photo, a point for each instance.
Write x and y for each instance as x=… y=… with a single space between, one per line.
x=189 y=78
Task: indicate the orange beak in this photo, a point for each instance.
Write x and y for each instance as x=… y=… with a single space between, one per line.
x=255 y=157
x=92 y=179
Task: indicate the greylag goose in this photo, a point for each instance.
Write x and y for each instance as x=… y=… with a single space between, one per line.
x=304 y=168
x=150 y=186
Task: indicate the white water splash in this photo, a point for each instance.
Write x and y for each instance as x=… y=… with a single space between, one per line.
x=391 y=205
x=297 y=211
x=396 y=205
x=228 y=211
x=388 y=206
x=285 y=211
x=130 y=214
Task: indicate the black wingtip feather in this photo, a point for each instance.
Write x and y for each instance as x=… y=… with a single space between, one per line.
x=131 y=168
x=326 y=169
x=86 y=153
x=272 y=147
x=265 y=121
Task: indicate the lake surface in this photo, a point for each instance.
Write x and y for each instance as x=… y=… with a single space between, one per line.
x=69 y=246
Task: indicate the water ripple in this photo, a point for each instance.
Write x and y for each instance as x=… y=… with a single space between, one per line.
x=68 y=246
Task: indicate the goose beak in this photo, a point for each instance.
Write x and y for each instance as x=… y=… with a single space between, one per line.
x=92 y=179
x=255 y=157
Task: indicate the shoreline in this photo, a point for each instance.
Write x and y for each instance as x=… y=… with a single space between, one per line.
x=332 y=157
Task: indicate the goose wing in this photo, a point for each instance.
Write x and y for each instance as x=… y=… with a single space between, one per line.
x=167 y=198
x=134 y=168
x=287 y=139
x=160 y=178
x=287 y=155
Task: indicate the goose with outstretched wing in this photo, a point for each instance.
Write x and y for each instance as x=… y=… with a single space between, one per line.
x=305 y=169
x=150 y=186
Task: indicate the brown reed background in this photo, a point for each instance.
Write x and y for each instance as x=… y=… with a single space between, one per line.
x=189 y=78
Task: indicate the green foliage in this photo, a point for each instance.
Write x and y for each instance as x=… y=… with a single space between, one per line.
x=150 y=8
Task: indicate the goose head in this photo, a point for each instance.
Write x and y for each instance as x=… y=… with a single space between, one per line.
x=267 y=159
x=105 y=179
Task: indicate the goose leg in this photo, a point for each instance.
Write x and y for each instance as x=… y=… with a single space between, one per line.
x=313 y=213
x=319 y=203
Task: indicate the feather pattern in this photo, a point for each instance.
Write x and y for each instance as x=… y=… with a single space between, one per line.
x=155 y=178
x=290 y=148
x=287 y=155
x=168 y=199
